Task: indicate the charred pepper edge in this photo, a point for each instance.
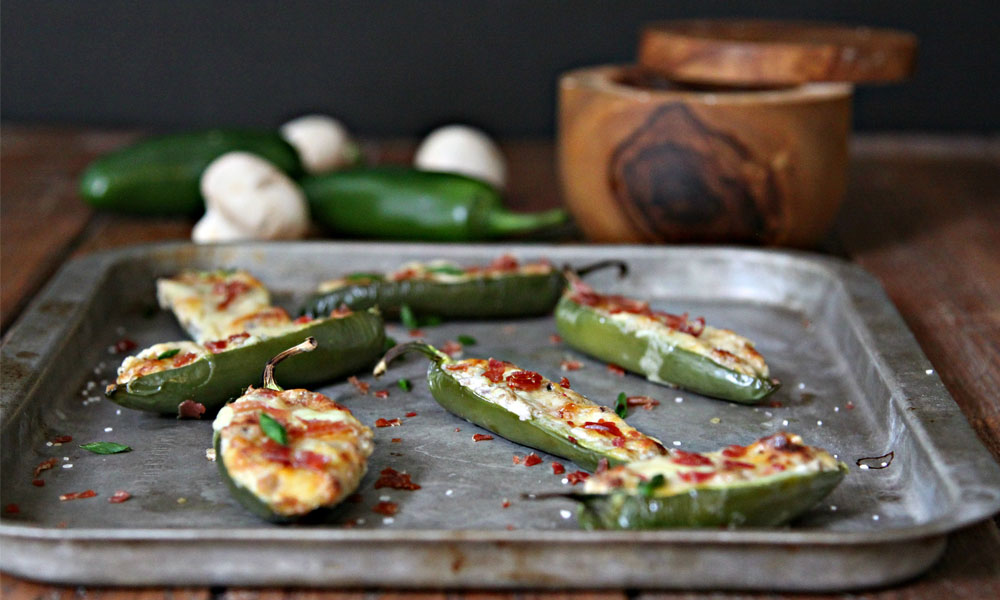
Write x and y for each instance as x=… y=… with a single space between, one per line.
x=692 y=371
x=170 y=387
x=533 y=294
x=463 y=402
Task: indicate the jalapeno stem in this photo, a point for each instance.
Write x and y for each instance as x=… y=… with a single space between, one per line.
x=307 y=346
x=416 y=346
x=601 y=264
x=501 y=222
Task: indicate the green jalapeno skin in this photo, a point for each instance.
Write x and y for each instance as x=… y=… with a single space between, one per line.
x=771 y=501
x=591 y=333
x=479 y=298
x=161 y=175
x=504 y=297
x=346 y=345
x=467 y=404
x=400 y=203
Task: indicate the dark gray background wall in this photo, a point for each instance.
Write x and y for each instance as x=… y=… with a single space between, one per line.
x=401 y=67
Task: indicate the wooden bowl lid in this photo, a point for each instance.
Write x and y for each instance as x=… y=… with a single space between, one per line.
x=753 y=53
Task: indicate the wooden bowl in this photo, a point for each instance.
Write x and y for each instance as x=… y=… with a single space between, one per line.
x=642 y=160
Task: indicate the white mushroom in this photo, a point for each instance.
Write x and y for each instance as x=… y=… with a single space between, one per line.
x=464 y=150
x=322 y=142
x=254 y=197
x=214 y=227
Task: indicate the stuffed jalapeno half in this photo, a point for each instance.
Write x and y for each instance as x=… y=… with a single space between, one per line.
x=162 y=377
x=768 y=483
x=527 y=408
x=505 y=288
x=286 y=453
x=215 y=304
x=666 y=348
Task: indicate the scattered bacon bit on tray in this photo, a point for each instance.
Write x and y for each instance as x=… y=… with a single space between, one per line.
x=78 y=495
x=45 y=465
x=612 y=368
x=388 y=423
x=62 y=439
x=532 y=460
x=850 y=405
x=416 y=333
x=396 y=440
x=570 y=365
x=457 y=429
x=411 y=414
x=644 y=401
x=576 y=477
x=12 y=509
x=775 y=404
x=119 y=497
x=125 y=345
x=451 y=348
x=391 y=478
x=386 y=508
x=510 y=528
x=361 y=386
x=505 y=503
x=558 y=468
x=517 y=460
x=564 y=383
x=382 y=394
x=38 y=482
x=189 y=409
x=555 y=338
x=350 y=524
x=481 y=437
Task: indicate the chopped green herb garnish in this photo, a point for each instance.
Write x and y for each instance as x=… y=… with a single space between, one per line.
x=105 y=447
x=168 y=354
x=407 y=317
x=273 y=429
x=621 y=406
x=647 y=489
x=446 y=270
x=466 y=340
x=404 y=384
x=389 y=343
x=361 y=276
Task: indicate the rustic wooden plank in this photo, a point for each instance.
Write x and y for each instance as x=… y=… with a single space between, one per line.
x=42 y=216
x=928 y=226
x=15 y=588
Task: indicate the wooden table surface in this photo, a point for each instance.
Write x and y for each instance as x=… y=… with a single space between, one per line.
x=922 y=214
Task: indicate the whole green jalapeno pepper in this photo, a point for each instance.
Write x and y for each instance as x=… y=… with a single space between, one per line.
x=164 y=376
x=527 y=408
x=401 y=203
x=666 y=348
x=284 y=454
x=505 y=288
x=161 y=175
x=767 y=483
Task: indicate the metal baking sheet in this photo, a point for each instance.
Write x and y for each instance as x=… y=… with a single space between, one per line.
x=855 y=382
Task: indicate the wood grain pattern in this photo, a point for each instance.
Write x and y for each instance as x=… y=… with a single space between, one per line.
x=643 y=164
x=922 y=214
x=760 y=53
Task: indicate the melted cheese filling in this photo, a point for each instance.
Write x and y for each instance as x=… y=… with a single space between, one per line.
x=209 y=304
x=148 y=361
x=683 y=471
x=559 y=410
x=324 y=461
x=721 y=346
x=441 y=271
